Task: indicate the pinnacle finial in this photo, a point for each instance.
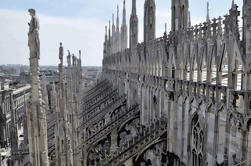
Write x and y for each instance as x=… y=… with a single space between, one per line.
x=134 y=7
x=79 y=54
x=61 y=52
x=208 y=11
x=233 y=4
x=124 y=5
x=189 y=19
x=113 y=25
x=117 y=11
x=124 y=14
x=117 y=23
x=109 y=31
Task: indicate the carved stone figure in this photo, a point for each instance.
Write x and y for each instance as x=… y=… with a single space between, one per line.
x=61 y=52
x=33 y=35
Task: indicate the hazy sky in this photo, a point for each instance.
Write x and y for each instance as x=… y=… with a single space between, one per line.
x=79 y=24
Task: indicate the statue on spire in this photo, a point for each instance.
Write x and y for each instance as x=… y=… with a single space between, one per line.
x=33 y=35
x=61 y=50
x=36 y=117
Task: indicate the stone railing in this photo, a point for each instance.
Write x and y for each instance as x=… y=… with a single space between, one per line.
x=205 y=91
x=213 y=93
x=115 y=121
x=20 y=152
x=137 y=144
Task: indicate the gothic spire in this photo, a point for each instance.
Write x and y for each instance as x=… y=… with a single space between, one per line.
x=69 y=58
x=80 y=61
x=117 y=23
x=105 y=42
x=208 y=11
x=134 y=9
x=124 y=30
x=80 y=54
x=36 y=114
x=149 y=20
x=106 y=33
x=179 y=14
x=63 y=135
x=189 y=20
x=109 y=29
x=133 y=26
x=124 y=14
x=113 y=25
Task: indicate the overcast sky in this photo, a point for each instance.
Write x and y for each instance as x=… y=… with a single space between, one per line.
x=79 y=25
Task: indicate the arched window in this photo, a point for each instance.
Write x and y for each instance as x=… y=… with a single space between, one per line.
x=197 y=142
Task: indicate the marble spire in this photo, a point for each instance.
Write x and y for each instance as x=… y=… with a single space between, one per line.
x=208 y=18
x=124 y=13
x=36 y=117
x=64 y=150
x=124 y=37
x=133 y=26
x=149 y=20
x=117 y=21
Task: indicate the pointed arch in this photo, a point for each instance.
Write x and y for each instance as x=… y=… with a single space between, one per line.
x=197 y=141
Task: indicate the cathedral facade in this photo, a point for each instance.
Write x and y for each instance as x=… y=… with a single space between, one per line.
x=181 y=99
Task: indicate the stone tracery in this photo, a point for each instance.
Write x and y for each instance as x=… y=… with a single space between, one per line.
x=193 y=70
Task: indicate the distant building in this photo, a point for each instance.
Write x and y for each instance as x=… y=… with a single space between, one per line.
x=13 y=129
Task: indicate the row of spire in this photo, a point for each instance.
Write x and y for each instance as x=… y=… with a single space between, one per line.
x=116 y=38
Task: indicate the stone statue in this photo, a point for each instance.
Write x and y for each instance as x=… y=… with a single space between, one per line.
x=69 y=58
x=61 y=52
x=33 y=35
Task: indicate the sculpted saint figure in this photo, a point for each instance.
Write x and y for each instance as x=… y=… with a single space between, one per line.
x=33 y=35
x=61 y=52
